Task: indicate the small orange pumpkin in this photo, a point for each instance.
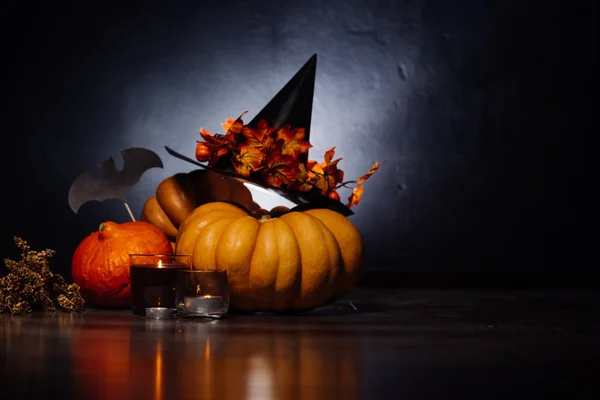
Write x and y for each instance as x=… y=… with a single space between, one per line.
x=298 y=261
x=100 y=264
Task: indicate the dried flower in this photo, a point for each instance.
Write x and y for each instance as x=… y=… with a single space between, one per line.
x=31 y=285
x=274 y=156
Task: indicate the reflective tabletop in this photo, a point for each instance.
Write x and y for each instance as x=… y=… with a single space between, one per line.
x=384 y=344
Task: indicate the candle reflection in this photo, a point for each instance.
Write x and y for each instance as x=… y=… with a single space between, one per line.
x=207 y=370
x=158 y=377
x=212 y=360
x=101 y=360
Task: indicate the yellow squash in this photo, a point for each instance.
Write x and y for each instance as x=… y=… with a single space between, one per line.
x=178 y=195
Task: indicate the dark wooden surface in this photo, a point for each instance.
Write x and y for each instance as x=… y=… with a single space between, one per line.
x=400 y=344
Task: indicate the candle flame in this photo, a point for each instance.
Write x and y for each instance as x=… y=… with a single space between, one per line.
x=160 y=264
x=198 y=291
x=159 y=300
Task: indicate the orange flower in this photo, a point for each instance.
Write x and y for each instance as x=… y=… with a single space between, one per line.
x=273 y=154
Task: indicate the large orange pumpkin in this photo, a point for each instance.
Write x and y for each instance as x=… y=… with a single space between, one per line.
x=100 y=264
x=178 y=195
x=298 y=261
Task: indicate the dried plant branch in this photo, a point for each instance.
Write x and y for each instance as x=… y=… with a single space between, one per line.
x=31 y=285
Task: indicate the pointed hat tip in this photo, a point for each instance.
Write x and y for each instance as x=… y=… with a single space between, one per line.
x=292 y=105
x=312 y=61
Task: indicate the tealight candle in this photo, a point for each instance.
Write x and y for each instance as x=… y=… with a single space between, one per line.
x=202 y=293
x=153 y=282
x=159 y=313
x=204 y=305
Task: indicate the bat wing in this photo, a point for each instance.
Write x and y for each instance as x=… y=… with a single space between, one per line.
x=87 y=187
x=115 y=184
x=136 y=161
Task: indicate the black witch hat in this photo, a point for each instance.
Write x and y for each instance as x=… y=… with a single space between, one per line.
x=292 y=105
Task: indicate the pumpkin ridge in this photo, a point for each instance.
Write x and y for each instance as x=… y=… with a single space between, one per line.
x=300 y=267
x=208 y=239
x=313 y=286
x=278 y=232
x=252 y=262
x=351 y=247
x=301 y=277
x=208 y=209
x=254 y=246
x=154 y=214
x=336 y=260
x=233 y=219
x=260 y=225
x=199 y=234
x=234 y=277
x=322 y=240
x=270 y=289
x=196 y=220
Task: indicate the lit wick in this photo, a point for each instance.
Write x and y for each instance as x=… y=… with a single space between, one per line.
x=160 y=264
x=159 y=312
x=198 y=302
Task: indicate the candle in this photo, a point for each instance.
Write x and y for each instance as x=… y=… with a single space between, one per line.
x=153 y=282
x=159 y=313
x=202 y=293
x=206 y=305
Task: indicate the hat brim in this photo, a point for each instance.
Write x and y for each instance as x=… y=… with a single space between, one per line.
x=303 y=200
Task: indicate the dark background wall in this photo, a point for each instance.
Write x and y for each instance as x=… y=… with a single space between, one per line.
x=478 y=107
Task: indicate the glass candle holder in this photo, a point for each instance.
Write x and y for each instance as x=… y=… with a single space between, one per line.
x=202 y=293
x=154 y=281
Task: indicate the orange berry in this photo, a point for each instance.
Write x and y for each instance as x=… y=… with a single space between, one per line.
x=202 y=152
x=334 y=195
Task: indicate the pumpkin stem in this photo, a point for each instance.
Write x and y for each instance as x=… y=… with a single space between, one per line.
x=105 y=230
x=264 y=217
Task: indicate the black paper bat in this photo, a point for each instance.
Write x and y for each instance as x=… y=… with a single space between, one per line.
x=115 y=184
